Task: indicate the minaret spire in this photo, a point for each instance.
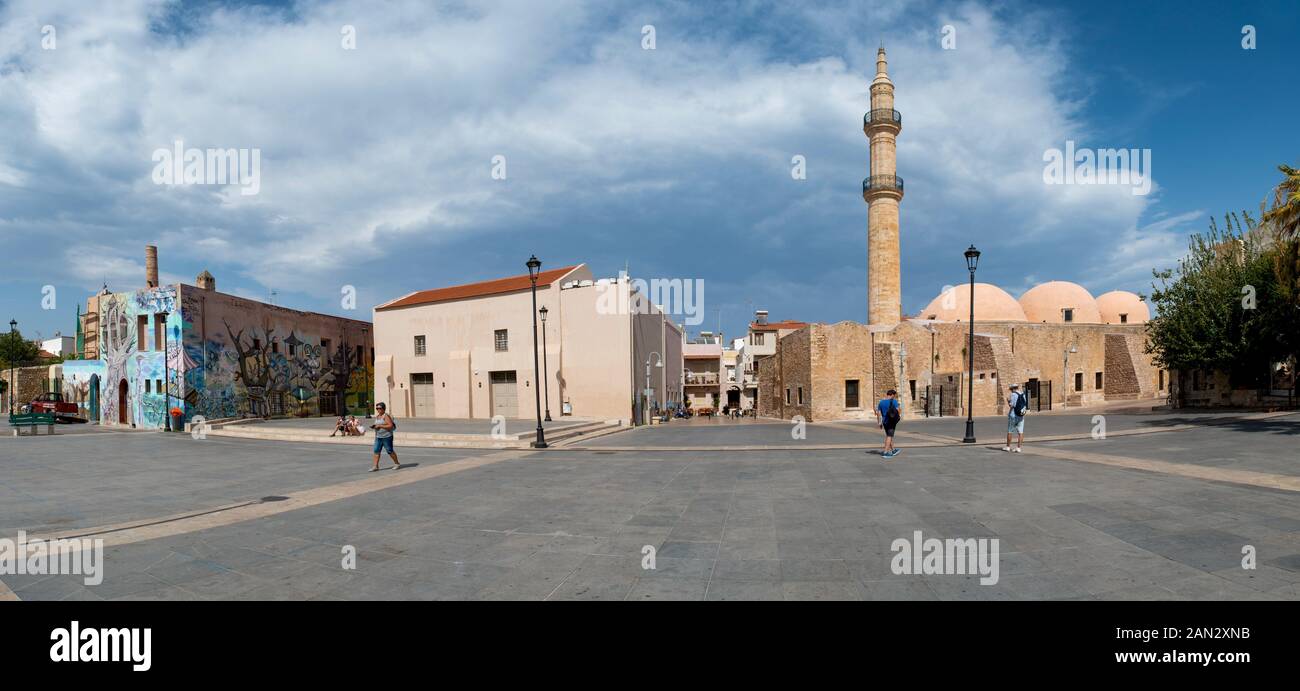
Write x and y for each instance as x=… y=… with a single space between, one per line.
x=883 y=190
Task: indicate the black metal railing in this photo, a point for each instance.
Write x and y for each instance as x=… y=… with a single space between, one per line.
x=882 y=115
x=882 y=182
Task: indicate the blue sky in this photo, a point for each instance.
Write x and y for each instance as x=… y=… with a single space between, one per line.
x=376 y=162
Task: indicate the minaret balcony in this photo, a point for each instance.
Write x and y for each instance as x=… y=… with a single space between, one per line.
x=883 y=185
x=882 y=117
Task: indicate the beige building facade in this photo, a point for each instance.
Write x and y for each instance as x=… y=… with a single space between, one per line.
x=467 y=351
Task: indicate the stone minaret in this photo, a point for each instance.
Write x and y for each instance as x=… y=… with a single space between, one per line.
x=882 y=192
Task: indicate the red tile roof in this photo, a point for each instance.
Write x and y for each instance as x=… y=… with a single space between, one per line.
x=776 y=326
x=471 y=290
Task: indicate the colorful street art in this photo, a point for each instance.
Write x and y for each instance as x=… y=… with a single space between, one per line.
x=81 y=380
x=225 y=357
x=140 y=404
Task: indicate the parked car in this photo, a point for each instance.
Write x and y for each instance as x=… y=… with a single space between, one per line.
x=50 y=402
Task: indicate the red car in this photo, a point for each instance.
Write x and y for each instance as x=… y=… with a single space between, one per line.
x=54 y=403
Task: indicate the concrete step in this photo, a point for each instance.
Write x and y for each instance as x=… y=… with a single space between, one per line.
x=517 y=440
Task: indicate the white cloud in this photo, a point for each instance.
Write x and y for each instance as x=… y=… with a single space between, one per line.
x=367 y=153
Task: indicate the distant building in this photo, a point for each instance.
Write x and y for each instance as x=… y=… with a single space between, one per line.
x=704 y=374
x=60 y=346
x=225 y=356
x=760 y=343
x=466 y=351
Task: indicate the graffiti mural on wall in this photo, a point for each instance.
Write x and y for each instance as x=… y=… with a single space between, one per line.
x=124 y=360
x=81 y=385
x=267 y=371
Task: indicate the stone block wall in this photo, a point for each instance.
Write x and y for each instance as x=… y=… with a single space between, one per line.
x=838 y=353
x=30 y=382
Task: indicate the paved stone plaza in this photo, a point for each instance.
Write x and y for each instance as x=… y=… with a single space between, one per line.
x=1161 y=508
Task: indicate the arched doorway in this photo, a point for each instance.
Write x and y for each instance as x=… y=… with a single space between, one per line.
x=121 y=402
x=93 y=404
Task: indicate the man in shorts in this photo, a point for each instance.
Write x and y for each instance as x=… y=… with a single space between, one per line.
x=1017 y=405
x=890 y=413
x=384 y=427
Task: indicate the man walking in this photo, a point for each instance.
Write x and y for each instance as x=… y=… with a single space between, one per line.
x=1017 y=406
x=384 y=428
x=889 y=413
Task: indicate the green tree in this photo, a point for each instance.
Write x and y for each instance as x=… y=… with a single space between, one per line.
x=1223 y=309
x=16 y=350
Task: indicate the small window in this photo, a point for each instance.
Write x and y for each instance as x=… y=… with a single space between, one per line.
x=275 y=346
x=142 y=332
x=157 y=385
x=801 y=395
x=159 y=330
x=361 y=353
x=419 y=345
x=1078 y=381
x=787 y=395
x=502 y=339
x=911 y=387
x=1097 y=381
x=758 y=338
x=1123 y=318
x=293 y=350
x=148 y=386
x=1067 y=314
x=1162 y=380
x=851 y=398
x=257 y=344
x=325 y=347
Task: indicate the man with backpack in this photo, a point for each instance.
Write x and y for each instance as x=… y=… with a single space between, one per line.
x=889 y=413
x=384 y=427
x=1017 y=407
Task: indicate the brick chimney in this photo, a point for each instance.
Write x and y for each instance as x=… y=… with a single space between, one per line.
x=206 y=281
x=151 y=266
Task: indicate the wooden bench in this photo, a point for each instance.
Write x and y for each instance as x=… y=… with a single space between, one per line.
x=33 y=420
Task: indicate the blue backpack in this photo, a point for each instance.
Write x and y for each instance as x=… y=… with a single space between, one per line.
x=1022 y=404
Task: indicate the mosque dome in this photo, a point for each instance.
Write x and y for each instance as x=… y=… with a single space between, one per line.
x=991 y=304
x=1058 y=302
x=1122 y=307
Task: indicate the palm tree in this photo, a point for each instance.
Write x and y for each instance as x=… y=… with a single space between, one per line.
x=1285 y=219
x=1285 y=214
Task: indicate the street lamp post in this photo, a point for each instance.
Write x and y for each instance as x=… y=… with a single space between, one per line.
x=972 y=261
x=534 y=264
x=546 y=367
x=167 y=389
x=659 y=362
x=13 y=329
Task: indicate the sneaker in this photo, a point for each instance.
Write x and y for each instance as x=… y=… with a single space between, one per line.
x=895 y=452
x=396 y=466
x=373 y=470
x=1017 y=449
x=1006 y=448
